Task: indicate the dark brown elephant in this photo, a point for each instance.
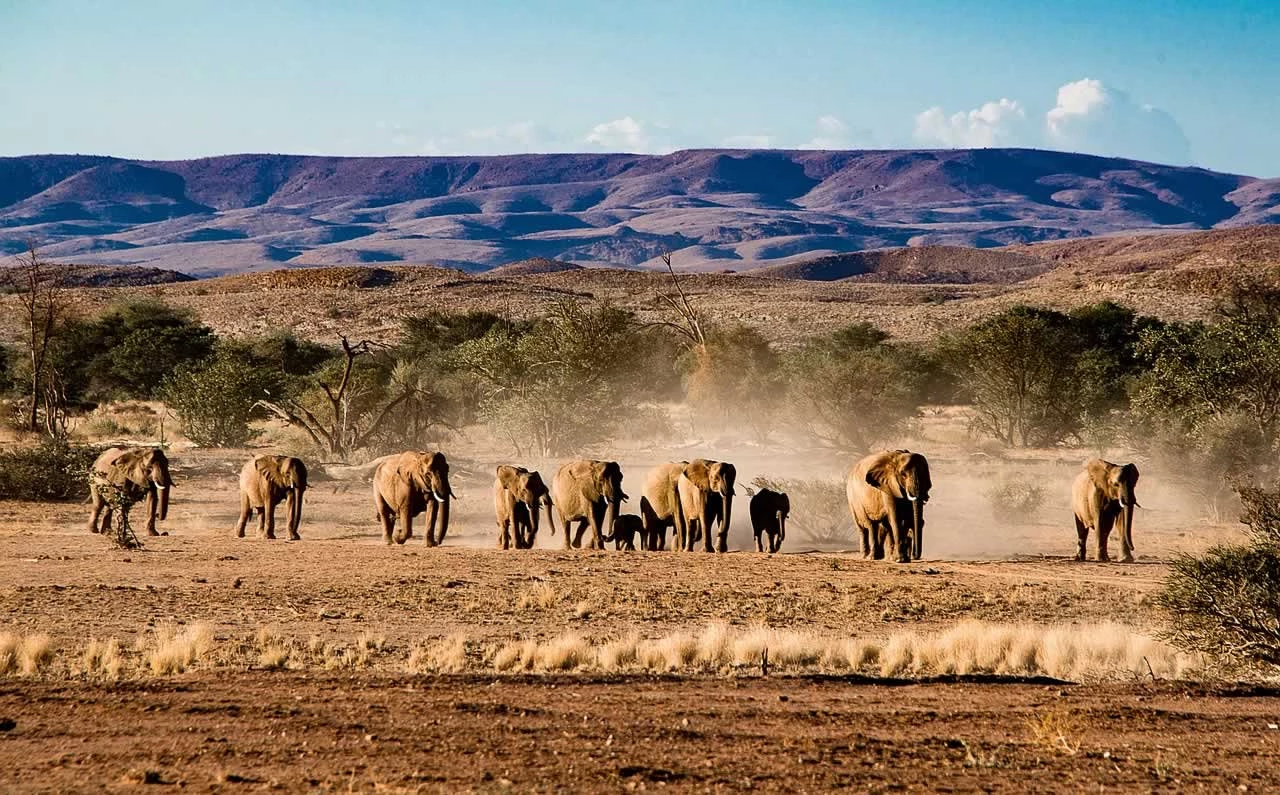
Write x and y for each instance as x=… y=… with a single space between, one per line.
x=588 y=492
x=887 y=492
x=1102 y=493
x=769 y=510
x=405 y=485
x=140 y=473
x=518 y=494
x=706 y=491
x=626 y=529
x=265 y=482
x=660 y=505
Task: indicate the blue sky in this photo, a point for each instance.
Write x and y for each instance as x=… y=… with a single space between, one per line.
x=1181 y=82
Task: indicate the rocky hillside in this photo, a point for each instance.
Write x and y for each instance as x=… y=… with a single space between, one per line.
x=717 y=210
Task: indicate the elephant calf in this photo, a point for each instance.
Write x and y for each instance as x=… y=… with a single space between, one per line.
x=517 y=496
x=626 y=529
x=1101 y=494
x=769 y=510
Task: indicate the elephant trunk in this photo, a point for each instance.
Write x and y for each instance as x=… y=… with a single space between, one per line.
x=444 y=517
x=162 y=496
x=534 y=519
x=782 y=527
x=610 y=516
x=1126 y=520
x=724 y=523
x=293 y=502
x=917 y=528
x=551 y=522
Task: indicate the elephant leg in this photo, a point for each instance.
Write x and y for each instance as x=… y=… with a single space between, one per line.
x=387 y=519
x=269 y=520
x=432 y=538
x=877 y=540
x=96 y=514
x=245 y=510
x=151 y=515
x=106 y=520
x=866 y=540
x=722 y=539
x=1082 y=536
x=1105 y=521
x=582 y=530
x=759 y=543
x=404 y=527
x=775 y=541
x=504 y=534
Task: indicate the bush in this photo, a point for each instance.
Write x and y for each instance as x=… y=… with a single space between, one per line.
x=1226 y=603
x=53 y=470
x=1012 y=500
x=215 y=401
x=823 y=518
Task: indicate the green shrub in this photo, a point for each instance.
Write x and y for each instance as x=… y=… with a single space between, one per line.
x=215 y=400
x=1226 y=603
x=53 y=470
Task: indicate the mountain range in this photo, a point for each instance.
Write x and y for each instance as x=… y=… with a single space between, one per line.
x=714 y=210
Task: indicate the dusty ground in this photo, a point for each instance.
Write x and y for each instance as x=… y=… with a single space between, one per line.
x=229 y=724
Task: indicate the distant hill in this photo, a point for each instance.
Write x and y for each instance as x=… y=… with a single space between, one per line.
x=533 y=267
x=920 y=265
x=714 y=209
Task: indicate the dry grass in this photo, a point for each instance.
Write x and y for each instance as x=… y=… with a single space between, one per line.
x=9 y=645
x=103 y=659
x=443 y=655
x=543 y=596
x=1057 y=730
x=172 y=650
x=274 y=650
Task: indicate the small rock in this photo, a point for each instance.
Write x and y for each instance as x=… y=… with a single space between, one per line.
x=784 y=698
x=8 y=724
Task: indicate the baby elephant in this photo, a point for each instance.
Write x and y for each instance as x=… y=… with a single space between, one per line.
x=769 y=511
x=626 y=529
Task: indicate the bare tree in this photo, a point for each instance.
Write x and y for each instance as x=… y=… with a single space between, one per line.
x=38 y=285
x=338 y=431
x=688 y=322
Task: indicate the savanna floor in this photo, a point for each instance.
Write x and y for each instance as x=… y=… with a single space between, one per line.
x=338 y=663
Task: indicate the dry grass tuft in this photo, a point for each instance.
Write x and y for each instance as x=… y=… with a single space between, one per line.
x=518 y=655
x=35 y=653
x=274 y=651
x=103 y=658
x=171 y=650
x=9 y=645
x=544 y=597
x=445 y=655
x=1058 y=730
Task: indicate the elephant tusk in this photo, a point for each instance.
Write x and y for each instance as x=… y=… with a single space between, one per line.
x=161 y=488
x=437 y=496
x=911 y=498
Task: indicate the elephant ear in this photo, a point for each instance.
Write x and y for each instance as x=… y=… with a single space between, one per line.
x=438 y=463
x=1129 y=474
x=268 y=468
x=1099 y=472
x=509 y=476
x=298 y=470
x=533 y=482
x=884 y=475
x=698 y=473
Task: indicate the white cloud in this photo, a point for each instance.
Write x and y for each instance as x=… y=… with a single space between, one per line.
x=629 y=134
x=830 y=132
x=999 y=123
x=748 y=142
x=1093 y=117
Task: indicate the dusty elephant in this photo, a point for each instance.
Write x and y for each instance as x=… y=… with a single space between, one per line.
x=769 y=510
x=404 y=485
x=138 y=472
x=626 y=529
x=706 y=491
x=265 y=482
x=887 y=492
x=1102 y=493
x=588 y=492
x=660 y=505
x=518 y=494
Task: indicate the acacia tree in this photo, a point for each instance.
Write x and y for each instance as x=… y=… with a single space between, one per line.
x=38 y=285
x=345 y=405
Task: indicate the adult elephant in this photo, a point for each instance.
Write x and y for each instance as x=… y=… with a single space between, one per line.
x=660 y=505
x=1102 y=493
x=887 y=492
x=706 y=491
x=769 y=510
x=138 y=473
x=265 y=482
x=404 y=485
x=589 y=493
x=518 y=494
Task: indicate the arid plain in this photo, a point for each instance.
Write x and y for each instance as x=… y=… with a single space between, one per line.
x=338 y=663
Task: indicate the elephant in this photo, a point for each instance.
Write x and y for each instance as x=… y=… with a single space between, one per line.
x=588 y=492
x=517 y=496
x=769 y=510
x=626 y=529
x=706 y=490
x=138 y=472
x=660 y=505
x=265 y=481
x=887 y=492
x=1102 y=493
x=403 y=486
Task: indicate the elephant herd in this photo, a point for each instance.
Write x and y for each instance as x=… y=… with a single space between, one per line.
x=886 y=491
